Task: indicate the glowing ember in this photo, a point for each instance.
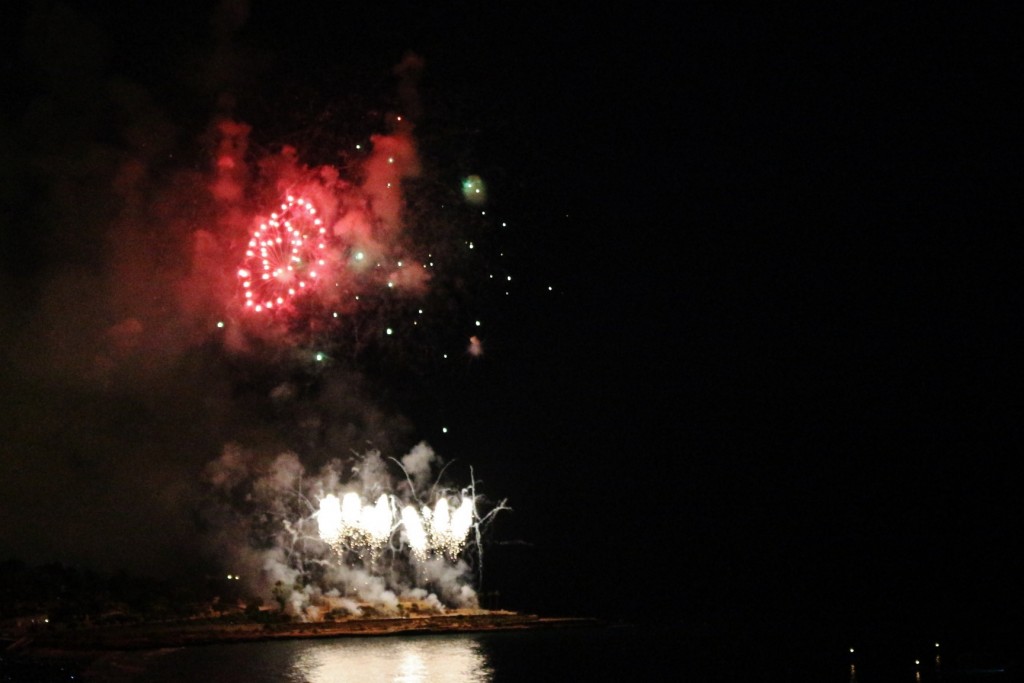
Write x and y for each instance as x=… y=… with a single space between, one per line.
x=283 y=256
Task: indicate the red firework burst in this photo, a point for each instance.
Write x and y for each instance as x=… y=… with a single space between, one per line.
x=284 y=257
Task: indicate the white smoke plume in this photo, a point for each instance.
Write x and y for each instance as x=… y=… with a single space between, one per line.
x=273 y=503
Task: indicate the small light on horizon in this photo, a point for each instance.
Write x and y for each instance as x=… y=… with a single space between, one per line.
x=220 y=323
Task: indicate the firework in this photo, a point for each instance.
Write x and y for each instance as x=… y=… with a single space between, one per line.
x=285 y=257
x=350 y=523
x=340 y=266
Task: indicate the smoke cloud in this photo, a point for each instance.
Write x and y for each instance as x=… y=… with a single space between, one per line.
x=265 y=511
x=152 y=423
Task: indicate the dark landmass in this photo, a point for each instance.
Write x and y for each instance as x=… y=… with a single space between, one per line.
x=179 y=634
x=69 y=608
x=117 y=652
x=67 y=623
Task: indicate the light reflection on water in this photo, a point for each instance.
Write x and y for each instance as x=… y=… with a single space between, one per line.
x=456 y=658
x=399 y=660
x=620 y=653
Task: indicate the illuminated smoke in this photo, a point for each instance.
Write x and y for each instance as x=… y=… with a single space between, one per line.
x=474 y=190
x=359 y=530
x=329 y=256
x=319 y=248
x=135 y=344
x=321 y=258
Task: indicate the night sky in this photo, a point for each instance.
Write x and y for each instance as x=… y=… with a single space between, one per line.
x=772 y=381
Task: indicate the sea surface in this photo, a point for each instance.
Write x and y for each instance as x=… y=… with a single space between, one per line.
x=616 y=652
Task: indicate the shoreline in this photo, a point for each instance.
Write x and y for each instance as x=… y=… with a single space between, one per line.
x=119 y=654
x=155 y=636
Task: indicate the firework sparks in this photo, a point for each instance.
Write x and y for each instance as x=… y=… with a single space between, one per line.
x=351 y=524
x=329 y=519
x=352 y=264
x=284 y=256
x=359 y=529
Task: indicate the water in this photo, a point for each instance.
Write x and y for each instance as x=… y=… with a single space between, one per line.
x=560 y=654
x=588 y=653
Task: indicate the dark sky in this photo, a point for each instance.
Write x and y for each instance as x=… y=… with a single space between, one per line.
x=774 y=377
